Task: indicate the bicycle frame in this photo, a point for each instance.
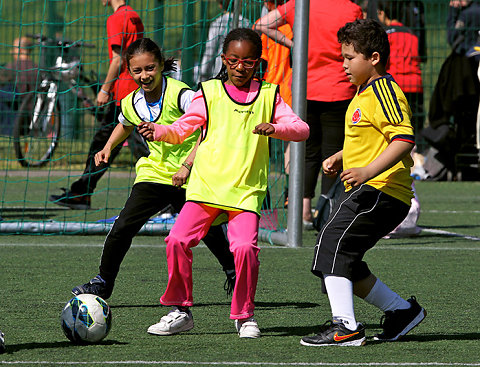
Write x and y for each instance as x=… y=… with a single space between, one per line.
x=40 y=116
x=51 y=97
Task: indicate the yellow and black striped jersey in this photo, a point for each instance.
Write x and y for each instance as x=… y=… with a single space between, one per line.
x=377 y=115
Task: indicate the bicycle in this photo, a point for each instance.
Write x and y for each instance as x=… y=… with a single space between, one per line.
x=38 y=123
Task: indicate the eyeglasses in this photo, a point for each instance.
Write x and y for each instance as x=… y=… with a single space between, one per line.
x=233 y=62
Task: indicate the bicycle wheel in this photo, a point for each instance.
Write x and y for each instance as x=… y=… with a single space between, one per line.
x=36 y=135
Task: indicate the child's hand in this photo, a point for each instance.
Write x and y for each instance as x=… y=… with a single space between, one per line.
x=264 y=129
x=180 y=178
x=147 y=130
x=355 y=176
x=102 y=156
x=102 y=98
x=331 y=166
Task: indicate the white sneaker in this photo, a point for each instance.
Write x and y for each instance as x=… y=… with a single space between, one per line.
x=247 y=328
x=174 y=322
x=307 y=225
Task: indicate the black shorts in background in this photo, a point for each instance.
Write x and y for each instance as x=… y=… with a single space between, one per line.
x=359 y=219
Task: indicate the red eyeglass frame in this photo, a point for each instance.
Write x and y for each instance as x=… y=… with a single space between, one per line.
x=240 y=61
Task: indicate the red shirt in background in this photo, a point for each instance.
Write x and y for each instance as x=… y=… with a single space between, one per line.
x=326 y=79
x=404 y=61
x=123 y=28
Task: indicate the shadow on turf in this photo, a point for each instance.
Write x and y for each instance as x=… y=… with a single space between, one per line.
x=263 y=305
x=32 y=213
x=300 y=330
x=439 y=337
x=12 y=348
x=270 y=305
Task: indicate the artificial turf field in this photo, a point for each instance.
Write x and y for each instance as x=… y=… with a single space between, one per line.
x=440 y=267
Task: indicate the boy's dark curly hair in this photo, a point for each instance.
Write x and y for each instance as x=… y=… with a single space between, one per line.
x=367 y=36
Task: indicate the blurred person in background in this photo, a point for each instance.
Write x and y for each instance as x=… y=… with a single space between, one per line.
x=17 y=78
x=211 y=62
x=124 y=27
x=328 y=90
x=277 y=67
x=454 y=102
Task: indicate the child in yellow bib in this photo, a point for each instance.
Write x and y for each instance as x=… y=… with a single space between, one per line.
x=162 y=176
x=237 y=115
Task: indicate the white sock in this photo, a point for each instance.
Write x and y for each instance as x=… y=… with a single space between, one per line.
x=385 y=299
x=340 y=295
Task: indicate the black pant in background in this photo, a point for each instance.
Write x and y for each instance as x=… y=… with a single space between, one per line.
x=87 y=183
x=327 y=131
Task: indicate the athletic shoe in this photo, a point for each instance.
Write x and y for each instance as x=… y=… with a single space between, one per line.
x=2 y=342
x=307 y=225
x=174 y=322
x=247 y=328
x=229 y=284
x=397 y=323
x=97 y=286
x=336 y=334
x=71 y=200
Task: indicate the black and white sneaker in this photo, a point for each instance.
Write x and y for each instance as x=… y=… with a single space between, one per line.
x=397 y=323
x=2 y=342
x=72 y=200
x=336 y=334
x=97 y=286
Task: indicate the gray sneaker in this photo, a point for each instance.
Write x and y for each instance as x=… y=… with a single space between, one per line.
x=174 y=322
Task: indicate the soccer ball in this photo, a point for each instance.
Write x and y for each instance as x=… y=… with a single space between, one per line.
x=86 y=318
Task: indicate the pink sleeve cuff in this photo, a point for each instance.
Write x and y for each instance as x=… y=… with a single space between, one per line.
x=159 y=132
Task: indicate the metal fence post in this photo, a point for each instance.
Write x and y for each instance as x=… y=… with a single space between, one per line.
x=299 y=102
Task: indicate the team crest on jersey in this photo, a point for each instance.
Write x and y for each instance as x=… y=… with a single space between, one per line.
x=357 y=115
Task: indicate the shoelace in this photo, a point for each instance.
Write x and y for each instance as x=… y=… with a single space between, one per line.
x=326 y=325
x=229 y=284
x=386 y=317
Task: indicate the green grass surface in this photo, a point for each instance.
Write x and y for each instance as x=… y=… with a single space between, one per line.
x=440 y=267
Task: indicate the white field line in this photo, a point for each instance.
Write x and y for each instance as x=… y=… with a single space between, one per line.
x=451 y=211
x=219 y=363
x=450 y=234
x=379 y=247
x=267 y=247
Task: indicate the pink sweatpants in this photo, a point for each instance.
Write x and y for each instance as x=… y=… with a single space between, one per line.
x=190 y=227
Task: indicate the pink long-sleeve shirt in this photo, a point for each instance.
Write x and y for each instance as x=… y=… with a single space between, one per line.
x=288 y=126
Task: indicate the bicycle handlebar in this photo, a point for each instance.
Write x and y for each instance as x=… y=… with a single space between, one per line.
x=64 y=43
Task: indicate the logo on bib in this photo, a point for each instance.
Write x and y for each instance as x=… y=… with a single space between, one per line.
x=357 y=115
x=244 y=111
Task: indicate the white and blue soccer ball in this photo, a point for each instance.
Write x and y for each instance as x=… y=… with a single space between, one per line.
x=86 y=318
